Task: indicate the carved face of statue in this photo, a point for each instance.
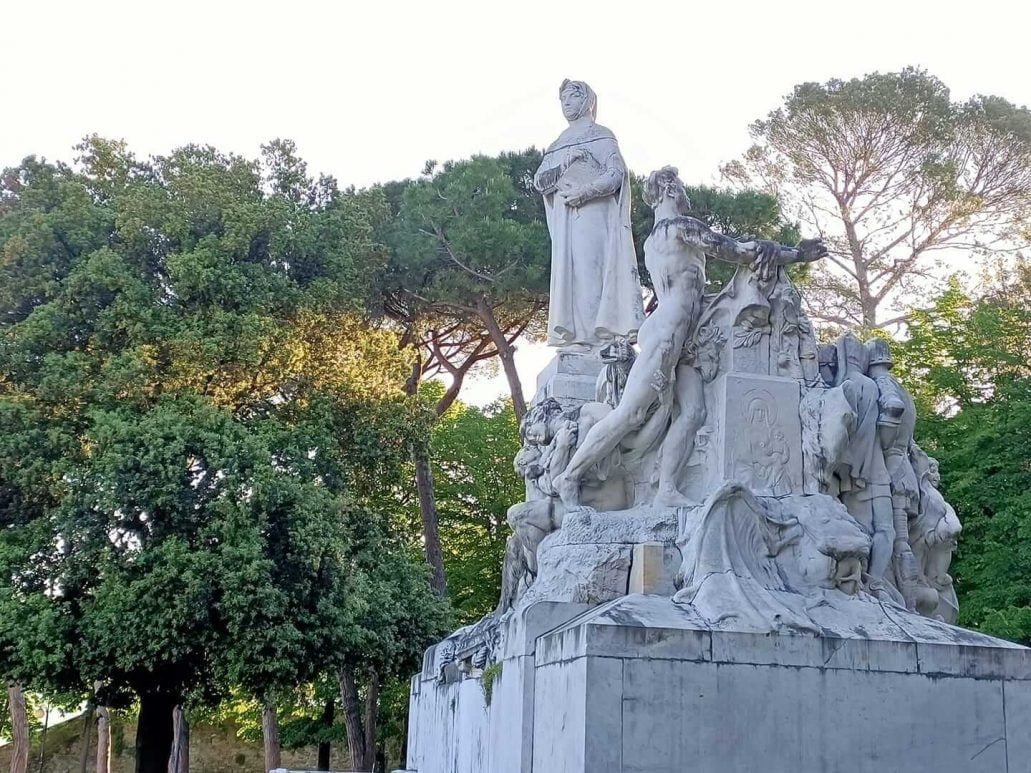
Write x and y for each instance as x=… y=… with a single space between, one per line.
x=539 y=423
x=573 y=100
x=665 y=183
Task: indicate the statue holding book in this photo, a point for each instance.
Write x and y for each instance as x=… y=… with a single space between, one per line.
x=595 y=289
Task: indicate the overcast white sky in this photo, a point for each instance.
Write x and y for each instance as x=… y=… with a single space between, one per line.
x=370 y=91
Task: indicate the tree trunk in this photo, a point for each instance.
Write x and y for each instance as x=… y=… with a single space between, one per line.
x=506 y=353
x=270 y=734
x=179 y=759
x=43 y=738
x=430 y=517
x=103 y=740
x=371 y=717
x=154 y=732
x=325 y=746
x=87 y=736
x=19 y=728
x=362 y=757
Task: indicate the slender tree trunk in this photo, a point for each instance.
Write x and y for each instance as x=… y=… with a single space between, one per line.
x=362 y=757
x=325 y=746
x=270 y=734
x=103 y=740
x=87 y=736
x=430 y=517
x=43 y=738
x=427 y=497
x=371 y=718
x=179 y=759
x=154 y=732
x=19 y=728
x=506 y=353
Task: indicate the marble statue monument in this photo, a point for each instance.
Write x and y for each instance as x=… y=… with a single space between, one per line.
x=733 y=554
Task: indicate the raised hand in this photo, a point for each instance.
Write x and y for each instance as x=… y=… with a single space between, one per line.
x=810 y=250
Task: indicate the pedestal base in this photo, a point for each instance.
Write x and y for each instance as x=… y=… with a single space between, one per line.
x=641 y=685
x=570 y=378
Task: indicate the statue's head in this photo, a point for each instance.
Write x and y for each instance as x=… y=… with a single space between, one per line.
x=934 y=475
x=578 y=99
x=537 y=427
x=665 y=183
x=827 y=357
x=852 y=356
x=880 y=352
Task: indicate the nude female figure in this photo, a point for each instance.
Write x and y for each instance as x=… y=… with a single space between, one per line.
x=675 y=253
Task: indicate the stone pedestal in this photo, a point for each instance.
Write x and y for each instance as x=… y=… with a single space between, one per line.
x=643 y=685
x=569 y=378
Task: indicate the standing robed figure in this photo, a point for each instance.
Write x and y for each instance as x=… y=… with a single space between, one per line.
x=595 y=288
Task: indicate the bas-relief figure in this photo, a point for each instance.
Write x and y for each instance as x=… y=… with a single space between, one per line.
x=595 y=291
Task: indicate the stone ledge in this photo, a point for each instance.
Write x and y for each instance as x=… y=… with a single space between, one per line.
x=655 y=628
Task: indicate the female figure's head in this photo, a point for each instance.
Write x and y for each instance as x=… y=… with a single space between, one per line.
x=665 y=184
x=578 y=99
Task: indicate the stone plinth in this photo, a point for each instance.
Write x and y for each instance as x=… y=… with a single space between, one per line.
x=569 y=378
x=637 y=686
x=643 y=685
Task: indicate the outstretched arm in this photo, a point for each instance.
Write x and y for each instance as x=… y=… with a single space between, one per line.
x=764 y=256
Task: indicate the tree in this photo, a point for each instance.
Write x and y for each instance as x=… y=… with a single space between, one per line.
x=891 y=173
x=399 y=617
x=966 y=363
x=19 y=728
x=470 y=246
x=196 y=417
x=468 y=275
x=473 y=451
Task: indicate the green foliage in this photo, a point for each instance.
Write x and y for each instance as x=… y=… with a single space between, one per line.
x=986 y=475
x=966 y=363
x=465 y=231
x=475 y=482
x=490 y=675
x=199 y=427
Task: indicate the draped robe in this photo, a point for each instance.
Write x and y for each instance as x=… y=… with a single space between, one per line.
x=595 y=288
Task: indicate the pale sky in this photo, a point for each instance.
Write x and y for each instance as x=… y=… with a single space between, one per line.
x=370 y=91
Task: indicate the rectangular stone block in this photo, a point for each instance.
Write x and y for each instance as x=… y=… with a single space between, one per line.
x=569 y=377
x=712 y=718
x=649 y=572
x=758 y=437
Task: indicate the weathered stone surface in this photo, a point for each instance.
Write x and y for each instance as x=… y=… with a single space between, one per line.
x=641 y=684
x=570 y=378
x=648 y=573
x=759 y=434
x=589 y=559
x=774 y=702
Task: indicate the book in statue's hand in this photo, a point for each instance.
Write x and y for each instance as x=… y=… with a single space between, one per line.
x=568 y=177
x=547 y=181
